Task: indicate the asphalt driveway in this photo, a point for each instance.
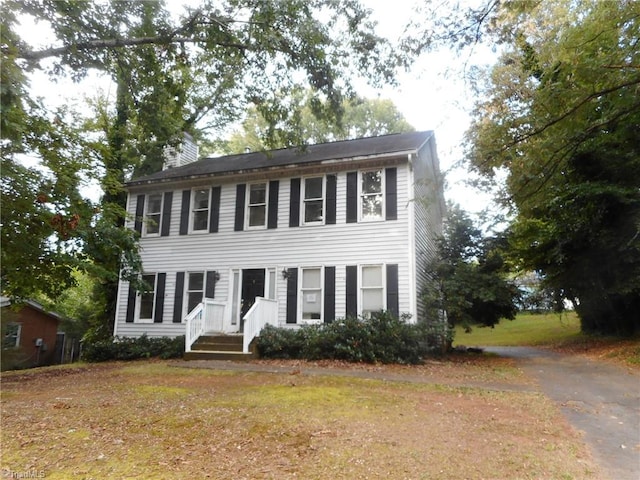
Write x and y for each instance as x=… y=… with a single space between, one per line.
x=599 y=399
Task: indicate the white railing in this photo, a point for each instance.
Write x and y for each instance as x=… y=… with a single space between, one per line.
x=195 y=326
x=262 y=312
x=214 y=313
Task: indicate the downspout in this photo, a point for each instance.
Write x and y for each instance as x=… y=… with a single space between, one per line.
x=411 y=227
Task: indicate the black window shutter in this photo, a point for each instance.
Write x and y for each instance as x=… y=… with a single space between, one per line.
x=166 y=214
x=159 y=307
x=139 y=214
x=352 y=291
x=214 y=211
x=292 y=295
x=352 y=197
x=272 y=217
x=131 y=304
x=184 y=212
x=210 y=288
x=391 y=193
x=294 y=203
x=177 y=305
x=329 y=294
x=241 y=190
x=392 y=290
x=331 y=199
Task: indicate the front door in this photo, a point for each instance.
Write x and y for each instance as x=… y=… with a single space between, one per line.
x=252 y=287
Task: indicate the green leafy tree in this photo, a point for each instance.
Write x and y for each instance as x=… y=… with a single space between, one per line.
x=361 y=117
x=192 y=73
x=470 y=281
x=561 y=118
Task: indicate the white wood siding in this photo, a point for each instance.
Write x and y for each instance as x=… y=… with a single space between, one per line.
x=336 y=245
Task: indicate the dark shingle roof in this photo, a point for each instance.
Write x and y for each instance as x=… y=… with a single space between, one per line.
x=247 y=162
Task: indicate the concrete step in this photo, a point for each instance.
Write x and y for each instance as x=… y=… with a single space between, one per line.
x=211 y=355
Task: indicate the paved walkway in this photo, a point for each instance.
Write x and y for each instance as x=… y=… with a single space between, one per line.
x=599 y=399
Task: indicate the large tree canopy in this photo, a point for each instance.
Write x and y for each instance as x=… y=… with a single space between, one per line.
x=196 y=72
x=562 y=119
x=361 y=117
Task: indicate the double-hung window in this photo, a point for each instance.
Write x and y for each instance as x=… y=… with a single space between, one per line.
x=372 y=289
x=147 y=298
x=195 y=289
x=200 y=210
x=313 y=198
x=153 y=214
x=371 y=195
x=257 y=205
x=11 y=335
x=312 y=296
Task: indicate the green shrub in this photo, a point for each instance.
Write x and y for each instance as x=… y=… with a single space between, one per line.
x=382 y=338
x=132 y=348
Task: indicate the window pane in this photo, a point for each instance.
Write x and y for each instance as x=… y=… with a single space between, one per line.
x=311 y=278
x=372 y=276
x=196 y=281
x=200 y=220
x=153 y=223
x=201 y=199
x=372 y=206
x=313 y=211
x=155 y=204
x=372 y=300
x=257 y=216
x=193 y=299
x=372 y=182
x=313 y=188
x=258 y=193
x=311 y=304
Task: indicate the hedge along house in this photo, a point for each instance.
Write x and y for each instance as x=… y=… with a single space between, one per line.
x=285 y=237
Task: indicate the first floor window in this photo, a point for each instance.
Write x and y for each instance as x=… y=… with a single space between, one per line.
x=200 y=209
x=11 y=335
x=371 y=197
x=147 y=297
x=153 y=214
x=372 y=289
x=311 y=290
x=195 y=290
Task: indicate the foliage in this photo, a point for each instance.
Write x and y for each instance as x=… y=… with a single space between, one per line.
x=561 y=117
x=128 y=348
x=470 y=276
x=361 y=117
x=383 y=338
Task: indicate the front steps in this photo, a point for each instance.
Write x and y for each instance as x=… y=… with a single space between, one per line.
x=220 y=346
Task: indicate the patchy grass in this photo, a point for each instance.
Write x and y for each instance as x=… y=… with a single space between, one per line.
x=152 y=420
x=560 y=332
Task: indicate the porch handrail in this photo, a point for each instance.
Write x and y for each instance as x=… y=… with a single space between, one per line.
x=263 y=312
x=214 y=315
x=195 y=326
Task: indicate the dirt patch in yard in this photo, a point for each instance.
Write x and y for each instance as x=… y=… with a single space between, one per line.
x=155 y=420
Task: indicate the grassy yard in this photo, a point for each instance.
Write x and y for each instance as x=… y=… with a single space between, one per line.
x=558 y=331
x=156 y=420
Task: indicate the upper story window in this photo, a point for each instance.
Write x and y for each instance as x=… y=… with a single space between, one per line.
x=147 y=298
x=371 y=195
x=200 y=210
x=313 y=198
x=372 y=289
x=257 y=205
x=153 y=214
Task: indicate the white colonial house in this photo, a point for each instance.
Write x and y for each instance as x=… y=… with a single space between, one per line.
x=285 y=237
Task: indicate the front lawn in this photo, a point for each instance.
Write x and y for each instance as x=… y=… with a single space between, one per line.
x=152 y=419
